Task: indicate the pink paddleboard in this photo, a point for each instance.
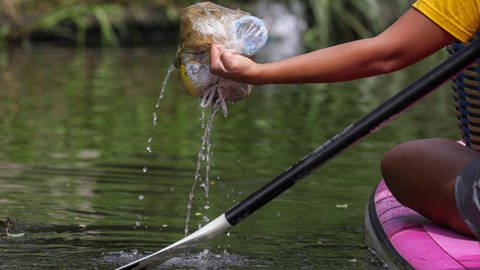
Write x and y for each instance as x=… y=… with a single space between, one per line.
x=404 y=239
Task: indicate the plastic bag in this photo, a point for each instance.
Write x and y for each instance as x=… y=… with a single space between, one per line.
x=201 y=25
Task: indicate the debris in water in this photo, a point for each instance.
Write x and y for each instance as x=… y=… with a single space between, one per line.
x=201 y=25
x=10 y=224
x=16 y=235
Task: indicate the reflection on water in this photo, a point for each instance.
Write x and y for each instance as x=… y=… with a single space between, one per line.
x=73 y=125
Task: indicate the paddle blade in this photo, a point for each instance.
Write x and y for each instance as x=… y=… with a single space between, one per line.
x=217 y=226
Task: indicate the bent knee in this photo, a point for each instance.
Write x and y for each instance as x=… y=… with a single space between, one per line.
x=393 y=161
x=412 y=167
x=405 y=156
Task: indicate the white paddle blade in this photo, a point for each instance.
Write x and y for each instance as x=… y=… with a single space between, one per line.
x=207 y=232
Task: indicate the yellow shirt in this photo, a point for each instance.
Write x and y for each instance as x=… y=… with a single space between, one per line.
x=460 y=18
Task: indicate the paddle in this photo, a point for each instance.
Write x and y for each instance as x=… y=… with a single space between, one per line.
x=375 y=119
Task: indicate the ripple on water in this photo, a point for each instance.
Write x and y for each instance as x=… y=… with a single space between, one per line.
x=205 y=259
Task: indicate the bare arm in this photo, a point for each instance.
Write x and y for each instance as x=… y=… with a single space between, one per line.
x=411 y=38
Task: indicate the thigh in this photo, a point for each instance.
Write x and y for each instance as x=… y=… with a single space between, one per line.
x=421 y=175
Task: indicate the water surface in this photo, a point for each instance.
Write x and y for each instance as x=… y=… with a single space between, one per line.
x=74 y=126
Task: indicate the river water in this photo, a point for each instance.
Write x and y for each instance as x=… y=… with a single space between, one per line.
x=76 y=178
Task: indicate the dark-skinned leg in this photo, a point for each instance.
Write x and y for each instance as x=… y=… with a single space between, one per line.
x=421 y=175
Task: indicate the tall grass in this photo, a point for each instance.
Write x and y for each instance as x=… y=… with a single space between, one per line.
x=107 y=16
x=335 y=20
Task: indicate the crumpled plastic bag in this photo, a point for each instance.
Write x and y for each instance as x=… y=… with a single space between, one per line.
x=201 y=25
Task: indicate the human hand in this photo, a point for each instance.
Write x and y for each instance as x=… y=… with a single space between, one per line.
x=231 y=65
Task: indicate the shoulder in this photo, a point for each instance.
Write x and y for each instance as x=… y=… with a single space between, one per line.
x=460 y=18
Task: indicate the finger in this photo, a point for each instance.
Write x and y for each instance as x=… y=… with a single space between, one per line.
x=215 y=53
x=216 y=50
x=226 y=56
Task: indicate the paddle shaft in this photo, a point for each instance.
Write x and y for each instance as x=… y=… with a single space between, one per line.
x=380 y=115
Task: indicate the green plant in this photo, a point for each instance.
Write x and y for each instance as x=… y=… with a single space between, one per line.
x=4 y=31
x=107 y=16
x=334 y=19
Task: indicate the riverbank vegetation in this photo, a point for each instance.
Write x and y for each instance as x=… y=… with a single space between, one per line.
x=122 y=22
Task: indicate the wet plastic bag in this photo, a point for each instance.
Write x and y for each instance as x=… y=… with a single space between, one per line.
x=201 y=25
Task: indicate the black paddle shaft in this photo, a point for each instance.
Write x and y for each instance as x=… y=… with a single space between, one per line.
x=380 y=115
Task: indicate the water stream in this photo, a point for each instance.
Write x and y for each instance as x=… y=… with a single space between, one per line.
x=148 y=148
x=204 y=156
x=204 y=161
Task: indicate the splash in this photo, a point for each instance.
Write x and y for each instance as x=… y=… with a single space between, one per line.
x=206 y=259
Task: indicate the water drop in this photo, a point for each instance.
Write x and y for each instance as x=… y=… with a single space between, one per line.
x=154 y=116
x=145 y=169
x=141 y=197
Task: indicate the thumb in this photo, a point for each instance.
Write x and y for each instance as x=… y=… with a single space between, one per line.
x=227 y=58
x=216 y=51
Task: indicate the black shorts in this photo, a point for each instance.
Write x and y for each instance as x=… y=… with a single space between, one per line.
x=467 y=196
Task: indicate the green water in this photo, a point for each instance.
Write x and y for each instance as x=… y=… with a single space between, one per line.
x=74 y=126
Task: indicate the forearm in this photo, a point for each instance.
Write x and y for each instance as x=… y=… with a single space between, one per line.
x=410 y=39
x=343 y=62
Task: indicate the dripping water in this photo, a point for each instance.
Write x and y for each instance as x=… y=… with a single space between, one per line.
x=204 y=158
x=155 y=111
x=148 y=148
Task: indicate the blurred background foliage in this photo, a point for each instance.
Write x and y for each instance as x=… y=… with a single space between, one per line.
x=341 y=20
x=122 y=22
